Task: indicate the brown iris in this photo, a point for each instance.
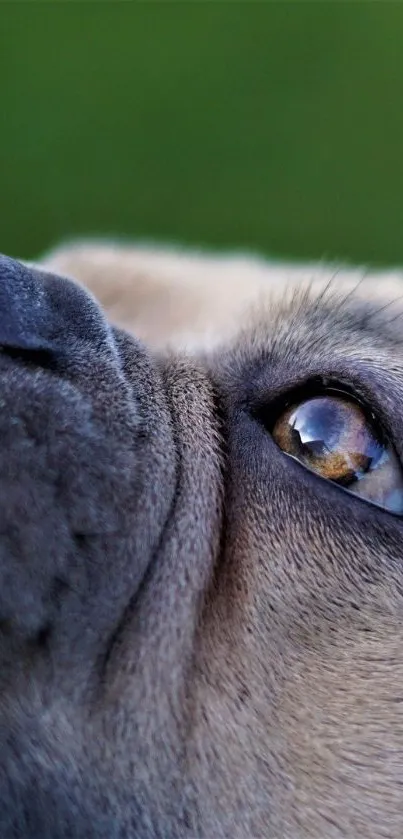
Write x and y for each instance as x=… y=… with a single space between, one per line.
x=332 y=435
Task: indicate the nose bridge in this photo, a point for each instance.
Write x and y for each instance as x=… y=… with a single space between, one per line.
x=40 y=311
x=21 y=305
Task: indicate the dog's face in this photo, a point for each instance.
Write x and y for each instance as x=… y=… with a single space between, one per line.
x=199 y=635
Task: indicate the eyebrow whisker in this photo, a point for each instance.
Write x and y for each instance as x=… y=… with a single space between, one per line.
x=352 y=291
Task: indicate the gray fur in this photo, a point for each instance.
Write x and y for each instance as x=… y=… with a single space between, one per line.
x=198 y=638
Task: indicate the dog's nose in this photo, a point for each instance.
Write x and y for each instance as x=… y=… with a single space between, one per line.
x=42 y=312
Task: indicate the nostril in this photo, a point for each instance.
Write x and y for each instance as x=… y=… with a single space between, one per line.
x=31 y=357
x=43 y=636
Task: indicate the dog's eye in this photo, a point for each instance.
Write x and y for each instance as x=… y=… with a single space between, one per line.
x=332 y=436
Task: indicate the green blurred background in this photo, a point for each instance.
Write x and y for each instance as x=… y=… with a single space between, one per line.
x=269 y=126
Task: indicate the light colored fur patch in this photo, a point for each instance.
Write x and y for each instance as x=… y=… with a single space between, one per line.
x=193 y=300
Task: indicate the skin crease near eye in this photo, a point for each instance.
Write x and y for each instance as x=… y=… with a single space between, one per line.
x=332 y=436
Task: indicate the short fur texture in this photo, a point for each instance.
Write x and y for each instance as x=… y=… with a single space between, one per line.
x=198 y=637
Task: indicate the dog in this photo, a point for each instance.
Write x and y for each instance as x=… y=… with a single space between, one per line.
x=201 y=547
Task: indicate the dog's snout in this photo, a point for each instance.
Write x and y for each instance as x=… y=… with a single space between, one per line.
x=21 y=304
x=43 y=313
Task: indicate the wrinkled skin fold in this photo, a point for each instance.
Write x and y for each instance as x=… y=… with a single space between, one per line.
x=198 y=637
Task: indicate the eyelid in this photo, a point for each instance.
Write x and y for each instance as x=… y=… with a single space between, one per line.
x=350 y=492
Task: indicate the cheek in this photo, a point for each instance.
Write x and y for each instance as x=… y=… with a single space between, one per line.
x=300 y=652
x=341 y=715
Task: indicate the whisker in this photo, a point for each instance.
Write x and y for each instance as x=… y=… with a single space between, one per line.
x=385 y=306
x=322 y=296
x=347 y=297
x=395 y=317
